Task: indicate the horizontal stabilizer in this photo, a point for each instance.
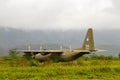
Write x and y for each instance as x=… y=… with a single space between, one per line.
x=101 y=50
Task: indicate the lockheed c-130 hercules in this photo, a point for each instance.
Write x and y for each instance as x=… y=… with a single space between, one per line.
x=64 y=55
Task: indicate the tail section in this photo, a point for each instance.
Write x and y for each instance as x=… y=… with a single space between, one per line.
x=88 y=43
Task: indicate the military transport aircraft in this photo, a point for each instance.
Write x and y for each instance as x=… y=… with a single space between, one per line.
x=63 y=55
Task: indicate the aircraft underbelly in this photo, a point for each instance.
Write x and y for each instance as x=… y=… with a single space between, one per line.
x=65 y=56
x=50 y=56
x=71 y=56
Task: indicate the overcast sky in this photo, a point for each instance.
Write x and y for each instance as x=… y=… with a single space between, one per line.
x=60 y=14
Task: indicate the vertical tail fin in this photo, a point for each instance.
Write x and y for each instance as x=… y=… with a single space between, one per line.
x=88 y=43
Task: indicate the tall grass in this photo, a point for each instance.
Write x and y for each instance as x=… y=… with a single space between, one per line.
x=84 y=68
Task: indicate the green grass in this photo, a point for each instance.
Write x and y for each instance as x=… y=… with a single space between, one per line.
x=81 y=69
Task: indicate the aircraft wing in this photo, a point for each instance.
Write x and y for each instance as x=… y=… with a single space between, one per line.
x=39 y=51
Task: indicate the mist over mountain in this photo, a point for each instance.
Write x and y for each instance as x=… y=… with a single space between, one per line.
x=14 y=38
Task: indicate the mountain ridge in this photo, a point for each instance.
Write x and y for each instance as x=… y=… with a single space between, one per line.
x=11 y=38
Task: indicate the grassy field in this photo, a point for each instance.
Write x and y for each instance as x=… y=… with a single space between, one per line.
x=100 y=68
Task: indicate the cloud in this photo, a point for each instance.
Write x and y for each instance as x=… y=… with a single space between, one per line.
x=116 y=7
x=116 y=3
x=56 y=14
